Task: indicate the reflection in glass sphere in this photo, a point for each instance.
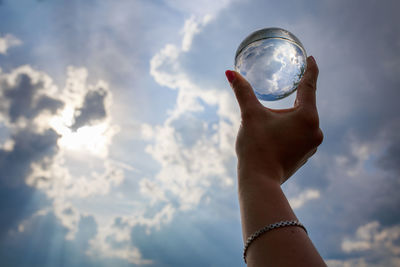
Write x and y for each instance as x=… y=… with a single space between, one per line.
x=273 y=60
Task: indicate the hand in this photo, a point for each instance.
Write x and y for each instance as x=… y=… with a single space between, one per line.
x=276 y=143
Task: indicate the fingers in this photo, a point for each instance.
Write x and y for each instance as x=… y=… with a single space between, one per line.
x=308 y=85
x=244 y=92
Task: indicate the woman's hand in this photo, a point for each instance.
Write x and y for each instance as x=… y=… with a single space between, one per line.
x=271 y=146
x=275 y=143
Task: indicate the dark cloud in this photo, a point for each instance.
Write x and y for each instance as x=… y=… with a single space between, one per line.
x=17 y=204
x=17 y=200
x=29 y=147
x=92 y=110
x=25 y=98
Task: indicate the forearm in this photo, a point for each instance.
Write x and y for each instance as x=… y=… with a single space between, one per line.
x=263 y=202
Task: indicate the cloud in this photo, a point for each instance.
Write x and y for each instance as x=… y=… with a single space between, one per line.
x=357 y=190
x=23 y=98
x=26 y=94
x=370 y=237
x=115 y=240
x=191 y=27
x=355 y=170
x=59 y=182
x=8 y=41
x=152 y=189
x=191 y=151
x=303 y=197
x=41 y=123
x=193 y=154
x=92 y=110
x=371 y=245
x=29 y=147
x=58 y=139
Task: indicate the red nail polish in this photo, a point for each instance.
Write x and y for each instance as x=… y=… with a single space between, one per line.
x=230 y=75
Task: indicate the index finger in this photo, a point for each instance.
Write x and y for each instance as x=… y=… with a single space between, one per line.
x=244 y=92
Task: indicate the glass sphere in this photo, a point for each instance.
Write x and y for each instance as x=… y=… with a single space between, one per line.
x=273 y=60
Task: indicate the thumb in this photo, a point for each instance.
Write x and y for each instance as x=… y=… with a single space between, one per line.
x=308 y=84
x=243 y=91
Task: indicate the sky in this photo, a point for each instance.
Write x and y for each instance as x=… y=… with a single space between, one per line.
x=117 y=131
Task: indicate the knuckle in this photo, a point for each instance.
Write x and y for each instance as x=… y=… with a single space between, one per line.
x=314 y=68
x=310 y=84
x=318 y=137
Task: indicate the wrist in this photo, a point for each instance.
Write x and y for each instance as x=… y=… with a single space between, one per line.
x=252 y=185
x=254 y=173
x=262 y=202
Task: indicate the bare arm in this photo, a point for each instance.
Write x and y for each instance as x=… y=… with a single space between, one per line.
x=271 y=145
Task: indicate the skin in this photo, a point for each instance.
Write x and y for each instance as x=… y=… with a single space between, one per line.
x=271 y=146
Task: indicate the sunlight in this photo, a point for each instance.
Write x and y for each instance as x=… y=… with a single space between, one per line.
x=89 y=138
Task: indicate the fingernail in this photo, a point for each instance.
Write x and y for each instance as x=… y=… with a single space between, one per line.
x=312 y=58
x=230 y=75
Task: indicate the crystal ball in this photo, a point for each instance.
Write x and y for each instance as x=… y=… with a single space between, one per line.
x=273 y=60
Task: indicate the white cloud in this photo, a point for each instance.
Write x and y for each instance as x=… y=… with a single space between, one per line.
x=151 y=189
x=372 y=236
x=57 y=181
x=76 y=165
x=68 y=215
x=353 y=164
x=8 y=41
x=114 y=240
x=193 y=153
x=147 y=131
x=303 y=197
x=81 y=169
x=191 y=28
x=378 y=246
x=375 y=246
x=26 y=223
x=89 y=144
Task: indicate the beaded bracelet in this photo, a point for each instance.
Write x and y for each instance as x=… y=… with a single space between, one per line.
x=267 y=228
